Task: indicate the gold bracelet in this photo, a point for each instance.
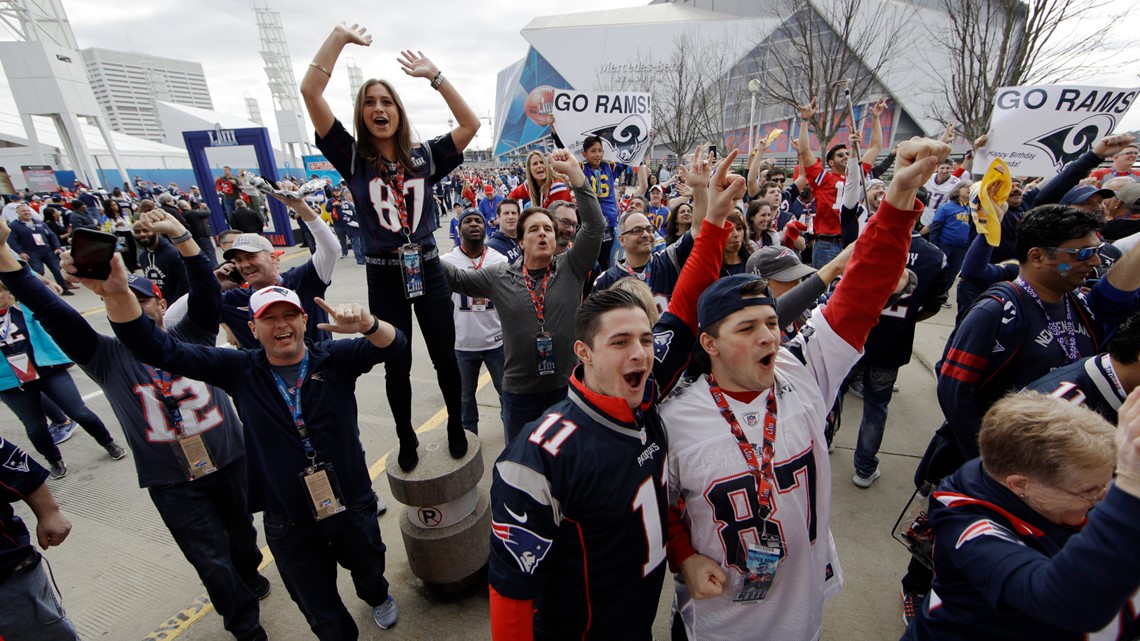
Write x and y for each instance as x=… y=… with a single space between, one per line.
x=321 y=67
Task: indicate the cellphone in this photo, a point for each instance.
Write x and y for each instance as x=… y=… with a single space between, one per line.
x=235 y=276
x=91 y=252
x=712 y=150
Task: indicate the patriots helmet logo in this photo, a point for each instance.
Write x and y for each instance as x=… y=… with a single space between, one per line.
x=1066 y=144
x=626 y=138
x=661 y=344
x=528 y=548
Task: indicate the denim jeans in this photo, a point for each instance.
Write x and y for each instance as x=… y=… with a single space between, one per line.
x=469 y=363
x=58 y=386
x=38 y=261
x=877 y=389
x=434 y=313
x=29 y=610
x=55 y=416
x=954 y=257
x=520 y=409
x=357 y=244
x=210 y=521
x=307 y=554
x=342 y=237
x=823 y=251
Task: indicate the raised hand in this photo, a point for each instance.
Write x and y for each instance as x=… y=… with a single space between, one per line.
x=700 y=173
x=1111 y=145
x=879 y=107
x=161 y=222
x=725 y=188
x=948 y=135
x=346 y=318
x=355 y=34
x=809 y=110
x=417 y=65
x=563 y=162
x=915 y=164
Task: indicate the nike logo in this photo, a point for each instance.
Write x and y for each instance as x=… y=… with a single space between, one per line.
x=243 y=309
x=520 y=519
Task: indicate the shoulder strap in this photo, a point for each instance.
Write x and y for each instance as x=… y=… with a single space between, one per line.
x=953 y=499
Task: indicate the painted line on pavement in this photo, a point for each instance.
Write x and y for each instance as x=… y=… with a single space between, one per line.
x=173 y=627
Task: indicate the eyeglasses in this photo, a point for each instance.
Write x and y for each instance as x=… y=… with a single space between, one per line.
x=1091 y=499
x=1081 y=255
x=637 y=231
x=567 y=223
x=840 y=154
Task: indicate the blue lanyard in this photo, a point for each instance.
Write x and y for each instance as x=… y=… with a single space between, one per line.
x=293 y=400
x=1066 y=335
x=163 y=382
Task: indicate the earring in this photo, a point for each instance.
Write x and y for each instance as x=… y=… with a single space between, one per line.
x=1021 y=496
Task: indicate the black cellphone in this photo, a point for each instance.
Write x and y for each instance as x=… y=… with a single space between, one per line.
x=234 y=275
x=91 y=252
x=712 y=150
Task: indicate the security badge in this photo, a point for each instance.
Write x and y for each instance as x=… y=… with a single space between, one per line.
x=413 y=270
x=324 y=493
x=191 y=451
x=544 y=348
x=478 y=304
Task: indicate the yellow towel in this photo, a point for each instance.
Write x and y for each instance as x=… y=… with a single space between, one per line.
x=983 y=208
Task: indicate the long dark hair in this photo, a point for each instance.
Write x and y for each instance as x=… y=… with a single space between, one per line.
x=671 y=234
x=364 y=143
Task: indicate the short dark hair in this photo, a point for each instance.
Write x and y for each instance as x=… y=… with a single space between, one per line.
x=506 y=201
x=1051 y=225
x=590 y=141
x=1125 y=344
x=588 y=318
x=531 y=211
x=831 y=152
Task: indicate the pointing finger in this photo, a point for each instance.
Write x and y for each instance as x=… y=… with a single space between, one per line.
x=324 y=305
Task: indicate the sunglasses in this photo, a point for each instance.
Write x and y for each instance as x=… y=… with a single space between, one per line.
x=1081 y=255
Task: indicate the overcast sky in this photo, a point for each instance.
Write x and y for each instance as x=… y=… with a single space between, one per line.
x=469 y=41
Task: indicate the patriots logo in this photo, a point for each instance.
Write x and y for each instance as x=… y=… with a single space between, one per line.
x=17 y=461
x=1066 y=144
x=528 y=548
x=626 y=138
x=986 y=527
x=661 y=344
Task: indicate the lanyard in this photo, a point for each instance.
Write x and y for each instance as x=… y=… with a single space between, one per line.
x=482 y=256
x=401 y=205
x=1066 y=335
x=539 y=297
x=163 y=382
x=761 y=470
x=1106 y=365
x=643 y=275
x=293 y=400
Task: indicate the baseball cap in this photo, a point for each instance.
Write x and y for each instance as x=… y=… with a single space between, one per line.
x=251 y=243
x=1130 y=196
x=725 y=297
x=56 y=198
x=488 y=189
x=1082 y=193
x=470 y=211
x=777 y=263
x=144 y=286
x=266 y=296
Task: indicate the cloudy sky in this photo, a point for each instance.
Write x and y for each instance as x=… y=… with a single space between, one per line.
x=469 y=41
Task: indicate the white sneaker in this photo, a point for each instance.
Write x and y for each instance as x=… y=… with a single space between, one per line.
x=386 y=614
x=866 y=481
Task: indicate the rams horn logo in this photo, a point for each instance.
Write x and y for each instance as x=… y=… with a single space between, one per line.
x=1066 y=144
x=625 y=138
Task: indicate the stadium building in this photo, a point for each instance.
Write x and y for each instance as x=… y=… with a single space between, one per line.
x=734 y=42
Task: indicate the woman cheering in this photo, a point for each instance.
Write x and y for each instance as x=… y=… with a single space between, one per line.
x=391 y=180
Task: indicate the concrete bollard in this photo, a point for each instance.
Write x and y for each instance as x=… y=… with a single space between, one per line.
x=446 y=523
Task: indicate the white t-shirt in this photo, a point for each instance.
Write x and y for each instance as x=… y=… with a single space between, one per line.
x=707 y=470
x=477 y=324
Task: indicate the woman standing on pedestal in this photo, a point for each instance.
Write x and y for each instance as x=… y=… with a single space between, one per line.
x=391 y=181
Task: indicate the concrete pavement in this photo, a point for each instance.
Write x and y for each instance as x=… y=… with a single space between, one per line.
x=122 y=577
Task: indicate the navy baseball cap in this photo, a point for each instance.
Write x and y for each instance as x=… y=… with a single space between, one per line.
x=1081 y=194
x=144 y=286
x=470 y=211
x=725 y=297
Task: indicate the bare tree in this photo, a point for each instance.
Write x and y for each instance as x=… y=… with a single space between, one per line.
x=680 y=99
x=822 y=48
x=1001 y=43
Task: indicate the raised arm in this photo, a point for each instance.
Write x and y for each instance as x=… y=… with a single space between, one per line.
x=642 y=180
x=416 y=64
x=806 y=157
x=699 y=179
x=588 y=241
x=753 y=178
x=320 y=70
x=876 y=144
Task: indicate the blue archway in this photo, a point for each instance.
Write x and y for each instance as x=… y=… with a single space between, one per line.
x=257 y=137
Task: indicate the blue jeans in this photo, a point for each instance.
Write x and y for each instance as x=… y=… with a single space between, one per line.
x=357 y=244
x=38 y=261
x=58 y=386
x=878 y=386
x=954 y=257
x=210 y=521
x=29 y=610
x=469 y=363
x=520 y=409
x=342 y=237
x=823 y=251
x=307 y=554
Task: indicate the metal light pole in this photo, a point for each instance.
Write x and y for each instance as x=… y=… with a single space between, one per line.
x=753 y=87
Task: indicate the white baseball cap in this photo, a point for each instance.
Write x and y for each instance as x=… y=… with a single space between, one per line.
x=251 y=243
x=266 y=296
